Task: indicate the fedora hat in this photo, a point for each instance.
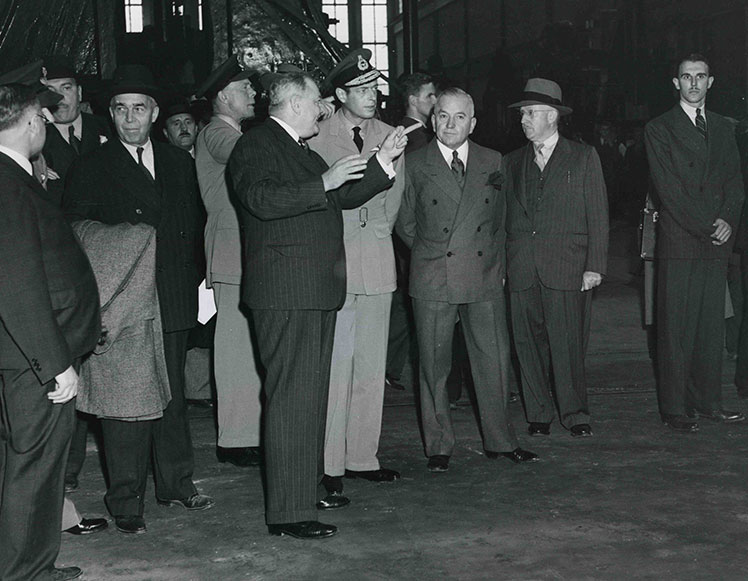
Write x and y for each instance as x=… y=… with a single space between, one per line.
x=134 y=79
x=542 y=92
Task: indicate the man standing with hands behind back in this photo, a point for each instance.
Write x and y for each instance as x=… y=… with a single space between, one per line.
x=695 y=166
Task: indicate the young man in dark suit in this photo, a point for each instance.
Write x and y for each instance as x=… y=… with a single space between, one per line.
x=294 y=281
x=557 y=248
x=138 y=180
x=695 y=167
x=49 y=315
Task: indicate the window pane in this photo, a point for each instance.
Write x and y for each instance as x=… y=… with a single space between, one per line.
x=367 y=24
x=380 y=15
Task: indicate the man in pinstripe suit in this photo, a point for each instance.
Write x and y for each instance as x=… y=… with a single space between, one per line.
x=557 y=246
x=294 y=281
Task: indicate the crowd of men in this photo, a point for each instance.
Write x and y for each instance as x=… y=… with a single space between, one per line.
x=294 y=222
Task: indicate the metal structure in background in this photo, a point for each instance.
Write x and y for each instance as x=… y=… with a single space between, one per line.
x=410 y=35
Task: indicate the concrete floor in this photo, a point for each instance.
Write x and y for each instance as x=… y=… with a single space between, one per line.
x=636 y=501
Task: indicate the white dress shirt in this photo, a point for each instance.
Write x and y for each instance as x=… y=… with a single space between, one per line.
x=148 y=160
x=18 y=158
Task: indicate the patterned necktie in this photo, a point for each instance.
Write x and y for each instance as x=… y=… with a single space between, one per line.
x=142 y=166
x=458 y=169
x=700 y=123
x=75 y=143
x=357 y=139
x=539 y=159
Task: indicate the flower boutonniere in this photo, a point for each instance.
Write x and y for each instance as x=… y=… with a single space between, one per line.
x=496 y=179
x=102 y=139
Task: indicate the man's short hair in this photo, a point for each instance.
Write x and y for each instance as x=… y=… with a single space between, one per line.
x=15 y=100
x=694 y=57
x=411 y=84
x=455 y=92
x=286 y=86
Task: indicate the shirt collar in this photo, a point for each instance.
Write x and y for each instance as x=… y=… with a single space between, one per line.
x=421 y=123
x=691 y=111
x=286 y=127
x=18 y=158
x=231 y=121
x=77 y=128
x=549 y=144
x=133 y=149
x=462 y=152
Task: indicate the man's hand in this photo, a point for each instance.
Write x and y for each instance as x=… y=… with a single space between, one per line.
x=722 y=233
x=393 y=145
x=66 y=386
x=590 y=280
x=327 y=108
x=350 y=167
x=52 y=174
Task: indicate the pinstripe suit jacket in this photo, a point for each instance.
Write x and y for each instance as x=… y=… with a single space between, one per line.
x=107 y=185
x=292 y=229
x=696 y=182
x=568 y=233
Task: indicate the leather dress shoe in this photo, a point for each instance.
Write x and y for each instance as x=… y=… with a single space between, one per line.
x=581 y=431
x=539 y=429
x=438 y=463
x=200 y=403
x=518 y=455
x=381 y=475
x=131 y=523
x=308 y=529
x=723 y=416
x=88 y=526
x=65 y=573
x=332 y=501
x=680 y=423
x=243 y=457
x=195 y=502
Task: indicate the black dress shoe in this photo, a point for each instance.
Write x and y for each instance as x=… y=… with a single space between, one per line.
x=332 y=484
x=722 y=416
x=390 y=381
x=581 y=431
x=680 y=423
x=332 y=501
x=200 y=403
x=131 y=523
x=308 y=529
x=88 y=526
x=65 y=573
x=195 y=502
x=71 y=484
x=517 y=455
x=243 y=457
x=381 y=475
x=438 y=463
x=539 y=429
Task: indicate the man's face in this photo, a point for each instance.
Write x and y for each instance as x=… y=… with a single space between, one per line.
x=308 y=111
x=360 y=101
x=69 y=108
x=693 y=82
x=240 y=98
x=425 y=99
x=133 y=115
x=453 y=120
x=538 y=122
x=181 y=130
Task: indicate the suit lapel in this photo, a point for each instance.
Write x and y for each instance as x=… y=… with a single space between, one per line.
x=90 y=137
x=476 y=177
x=24 y=177
x=556 y=165
x=311 y=160
x=520 y=186
x=441 y=174
x=126 y=172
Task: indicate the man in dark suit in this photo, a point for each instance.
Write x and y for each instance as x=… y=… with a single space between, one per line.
x=294 y=281
x=695 y=167
x=419 y=95
x=557 y=246
x=134 y=179
x=452 y=219
x=49 y=315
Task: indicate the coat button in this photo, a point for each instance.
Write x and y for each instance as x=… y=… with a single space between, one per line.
x=138 y=211
x=480 y=253
x=449 y=254
x=534 y=232
x=690 y=164
x=433 y=202
x=486 y=200
x=478 y=228
x=183 y=234
x=446 y=230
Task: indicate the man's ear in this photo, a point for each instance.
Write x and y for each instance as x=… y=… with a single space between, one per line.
x=676 y=84
x=709 y=82
x=473 y=123
x=342 y=95
x=154 y=114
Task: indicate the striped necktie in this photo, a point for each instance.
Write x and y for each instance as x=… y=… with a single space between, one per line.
x=539 y=159
x=700 y=123
x=458 y=169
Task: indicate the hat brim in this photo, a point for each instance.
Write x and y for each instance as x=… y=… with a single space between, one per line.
x=562 y=110
x=149 y=90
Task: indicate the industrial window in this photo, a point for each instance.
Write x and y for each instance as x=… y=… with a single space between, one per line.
x=337 y=10
x=177 y=9
x=199 y=14
x=374 y=34
x=133 y=15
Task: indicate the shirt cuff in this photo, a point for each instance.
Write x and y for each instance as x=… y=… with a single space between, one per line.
x=388 y=168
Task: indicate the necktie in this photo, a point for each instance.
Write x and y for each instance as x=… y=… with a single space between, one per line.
x=75 y=143
x=304 y=145
x=700 y=123
x=357 y=139
x=142 y=166
x=539 y=159
x=458 y=169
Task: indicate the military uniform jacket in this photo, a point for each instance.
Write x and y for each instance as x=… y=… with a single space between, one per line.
x=369 y=257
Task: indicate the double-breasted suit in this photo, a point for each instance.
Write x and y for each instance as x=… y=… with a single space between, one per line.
x=238 y=383
x=109 y=186
x=557 y=229
x=456 y=237
x=696 y=181
x=354 y=414
x=294 y=281
x=49 y=317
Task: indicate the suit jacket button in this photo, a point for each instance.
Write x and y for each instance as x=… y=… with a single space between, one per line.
x=478 y=228
x=138 y=211
x=534 y=232
x=183 y=234
x=446 y=230
x=480 y=253
x=449 y=254
x=434 y=202
x=486 y=200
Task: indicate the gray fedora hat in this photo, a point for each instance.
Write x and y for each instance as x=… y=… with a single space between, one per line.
x=542 y=92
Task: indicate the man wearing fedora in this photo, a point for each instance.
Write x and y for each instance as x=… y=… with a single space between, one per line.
x=359 y=354
x=557 y=246
x=137 y=180
x=179 y=127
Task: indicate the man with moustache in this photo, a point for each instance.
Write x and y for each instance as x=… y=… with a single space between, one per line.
x=294 y=281
x=359 y=354
x=557 y=246
x=137 y=180
x=238 y=383
x=452 y=219
x=179 y=125
x=695 y=167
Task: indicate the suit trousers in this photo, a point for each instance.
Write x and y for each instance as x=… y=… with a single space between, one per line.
x=354 y=408
x=399 y=341
x=34 y=439
x=238 y=383
x=296 y=350
x=690 y=334
x=77 y=454
x=129 y=446
x=550 y=334
x=70 y=514
x=741 y=365
x=487 y=339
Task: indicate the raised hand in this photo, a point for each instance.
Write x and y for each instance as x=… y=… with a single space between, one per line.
x=393 y=145
x=350 y=167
